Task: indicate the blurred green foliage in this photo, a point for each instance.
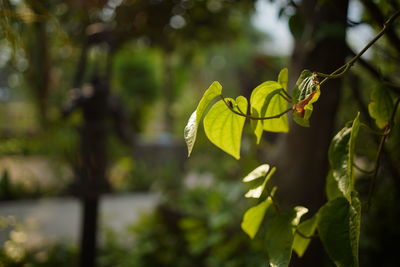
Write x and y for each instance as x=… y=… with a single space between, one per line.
x=202 y=228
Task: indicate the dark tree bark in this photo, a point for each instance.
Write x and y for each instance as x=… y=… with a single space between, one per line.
x=302 y=154
x=92 y=182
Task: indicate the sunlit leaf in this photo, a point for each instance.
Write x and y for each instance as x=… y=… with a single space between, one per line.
x=299 y=212
x=283 y=78
x=280 y=234
x=224 y=128
x=265 y=101
x=258 y=172
x=338 y=228
x=305 y=94
x=190 y=131
x=256 y=192
x=306 y=228
x=253 y=217
x=341 y=156
x=276 y=105
x=381 y=106
x=256 y=125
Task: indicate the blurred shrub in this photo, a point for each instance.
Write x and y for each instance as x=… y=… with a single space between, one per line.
x=18 y=250
x=201 y=229
x=13 y=254
x=137 y=81
x=10 y=190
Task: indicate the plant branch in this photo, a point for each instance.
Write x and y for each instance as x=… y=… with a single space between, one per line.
x=241 y=113
x=273 y=199
x=284 y=97
x=378 y=16
x=378 y=156
x=386 y=132
x=287 y=95
x=304 y=235
x=372 y=70
x=343 y=69
x=391 y=166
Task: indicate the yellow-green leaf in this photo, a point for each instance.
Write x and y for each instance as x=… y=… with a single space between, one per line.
x=307 y=229
x=253 y=217
x=224 y=128
x=381 y=106
x=283 y=78
x=190 y=131
x=276 y=105
x=262 y=106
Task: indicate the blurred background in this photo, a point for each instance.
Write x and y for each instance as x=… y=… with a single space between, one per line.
x=94 y=96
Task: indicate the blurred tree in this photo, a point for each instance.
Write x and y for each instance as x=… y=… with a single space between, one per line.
x=319 y=29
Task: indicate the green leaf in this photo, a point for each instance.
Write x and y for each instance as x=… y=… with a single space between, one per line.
x=332 y=188
x=224 y=128
x=253 y=217
x=256 y=192
x=190 y=131
x=265 y=101
x=283 y=78
x=305 y=94
x=381 y=106
x=280 y=234
x=355 y=128
x=341 y=156
x=339 y=230
x=355 y=222
x=258 y=172
x=307 y=228
x=276 y=105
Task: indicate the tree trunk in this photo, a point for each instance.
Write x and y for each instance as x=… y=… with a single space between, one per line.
x=301 y=159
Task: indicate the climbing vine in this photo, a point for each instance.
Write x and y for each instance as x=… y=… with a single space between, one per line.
x=337 y=223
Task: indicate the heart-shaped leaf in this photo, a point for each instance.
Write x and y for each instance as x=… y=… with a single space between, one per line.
x=190 y=131
x=224 y=128
x=265 y=101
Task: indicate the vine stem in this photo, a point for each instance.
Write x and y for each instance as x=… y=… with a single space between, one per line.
x=273 y=199
x=343 y=69
x=378 y=156
x=241 y=113
x=304 y=235
x=369 y=129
